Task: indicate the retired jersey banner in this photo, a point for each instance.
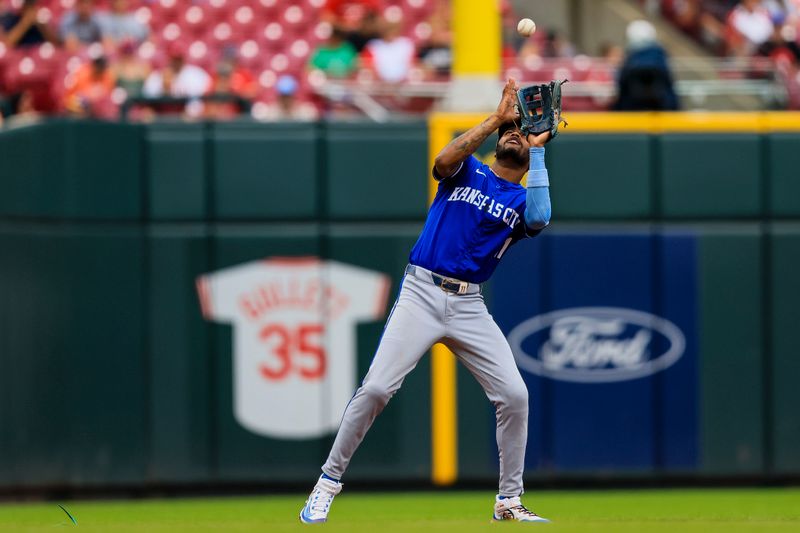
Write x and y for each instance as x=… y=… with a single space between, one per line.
x=603 y=329
x=294 y=350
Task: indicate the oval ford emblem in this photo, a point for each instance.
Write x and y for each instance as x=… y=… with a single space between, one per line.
x=596 y=344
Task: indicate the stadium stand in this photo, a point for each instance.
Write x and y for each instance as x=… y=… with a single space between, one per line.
x=761 y=34
x=272 y=39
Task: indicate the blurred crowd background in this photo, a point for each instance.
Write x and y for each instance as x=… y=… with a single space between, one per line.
x=306 y=59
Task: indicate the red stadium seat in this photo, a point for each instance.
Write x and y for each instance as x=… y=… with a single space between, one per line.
x=219 y=34
x=250 y=54
x=27 y=71
x=300 y=50
x=276 y=36
x=272 y=6
x=243 y=22
x=64 y=5
x=562 y=73
x=267 y=79
x=295 y=17
x=320 y=32
x=144 y=15
x=582 y=67
x=195 y=20
x=280 y=63
x=199 y=53
x=315 y=6
x=220 y=9
x=171 y=32
x=167 y=10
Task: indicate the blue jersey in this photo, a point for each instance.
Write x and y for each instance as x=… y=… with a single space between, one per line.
x=475 y=217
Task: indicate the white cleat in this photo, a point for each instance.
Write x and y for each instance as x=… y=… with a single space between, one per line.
x=512 y=509
x=318 y=504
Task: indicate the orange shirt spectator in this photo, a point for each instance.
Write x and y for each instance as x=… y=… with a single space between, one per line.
x=237 y=80
x=234 y=79
x=89 y=91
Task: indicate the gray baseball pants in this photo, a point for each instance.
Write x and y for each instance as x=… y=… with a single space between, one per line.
x=423 y=315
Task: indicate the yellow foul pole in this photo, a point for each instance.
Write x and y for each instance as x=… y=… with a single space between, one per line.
x=476 y=38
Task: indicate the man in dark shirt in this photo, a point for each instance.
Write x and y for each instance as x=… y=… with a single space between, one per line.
x=645 y=81
x=23 y=29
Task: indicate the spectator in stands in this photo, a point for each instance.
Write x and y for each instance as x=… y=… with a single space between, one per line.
x=177 y=78
x=335 y=57
x=700 y=19
x=231 y=79
x=645 y=81
x=392 y=55
x=549 y=43
x=783 y=46
x=24 y=29
x=121 y=25
x=786 y=47
x=435 y=54
x=532 y=48
x=236 y=78
x=81 y=26
x=24 y=111
x=129 y=70
x=749 y=28
x=358 y=20
x=288 y=106
x=793 y=12
x=512 y=41
x=605 y=72
x=612 y=54
x=556 y=45
x=685 y=13
x=5 y=106
x=89 y=90
x=777 y=10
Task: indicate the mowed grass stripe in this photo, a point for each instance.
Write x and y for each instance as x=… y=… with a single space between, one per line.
x=684 y=510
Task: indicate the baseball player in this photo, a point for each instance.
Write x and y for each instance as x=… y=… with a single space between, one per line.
x=478 y=212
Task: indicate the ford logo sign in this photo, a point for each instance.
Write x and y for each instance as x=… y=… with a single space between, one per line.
x=596 y=344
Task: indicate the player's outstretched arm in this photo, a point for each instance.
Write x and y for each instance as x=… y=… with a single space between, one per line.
x=463 y=146
x=537 y=199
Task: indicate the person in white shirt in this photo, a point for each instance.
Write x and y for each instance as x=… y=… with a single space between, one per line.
x=393 y=54
x=121 y=25
x=178 y=79
x=750 y=26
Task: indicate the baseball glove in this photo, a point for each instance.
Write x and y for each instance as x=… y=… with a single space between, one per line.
x=540 y=108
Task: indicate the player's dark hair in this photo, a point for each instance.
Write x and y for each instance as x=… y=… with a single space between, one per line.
x=505 y=126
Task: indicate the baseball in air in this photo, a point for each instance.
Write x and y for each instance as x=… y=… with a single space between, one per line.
x=526 y=27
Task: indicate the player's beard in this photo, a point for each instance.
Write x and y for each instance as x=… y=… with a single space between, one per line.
x=516 y=155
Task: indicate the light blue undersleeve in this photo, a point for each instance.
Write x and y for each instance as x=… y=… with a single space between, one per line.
x=537 y=199
x=537 y=174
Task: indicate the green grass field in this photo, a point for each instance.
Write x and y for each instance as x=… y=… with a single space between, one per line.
x=682 y=510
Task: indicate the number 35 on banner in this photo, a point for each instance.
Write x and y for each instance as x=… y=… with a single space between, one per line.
x=293 y=351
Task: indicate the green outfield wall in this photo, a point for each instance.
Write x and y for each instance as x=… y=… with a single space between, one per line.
x=112 y=375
